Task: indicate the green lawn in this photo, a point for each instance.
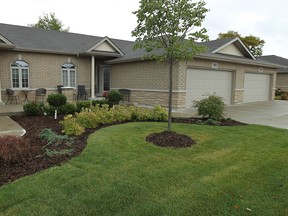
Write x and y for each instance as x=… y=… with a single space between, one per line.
x=231 y=171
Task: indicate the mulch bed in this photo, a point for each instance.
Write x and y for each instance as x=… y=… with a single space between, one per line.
x=36 y=159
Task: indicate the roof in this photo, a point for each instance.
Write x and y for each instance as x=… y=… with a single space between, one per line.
x=40 y=40
x=276 y=60
x=22 y=38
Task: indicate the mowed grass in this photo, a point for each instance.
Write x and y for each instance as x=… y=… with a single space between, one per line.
x=231 y=171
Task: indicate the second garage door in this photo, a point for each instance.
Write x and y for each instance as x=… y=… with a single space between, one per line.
x=202 y=82
x=256 y=87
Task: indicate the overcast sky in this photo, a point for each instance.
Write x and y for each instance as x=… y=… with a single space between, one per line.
x=114 y=18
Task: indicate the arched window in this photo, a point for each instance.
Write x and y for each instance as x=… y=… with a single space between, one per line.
x=69 y=75
x=20 y=74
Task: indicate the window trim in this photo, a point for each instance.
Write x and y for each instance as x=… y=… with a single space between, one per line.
x=19 y=69
x=69 y=67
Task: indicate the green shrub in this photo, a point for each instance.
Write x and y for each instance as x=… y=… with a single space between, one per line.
x=71 y=126
x=114 y=97
x=159 y=114
x=54 y=139
x=100 y=102
x=212 y=107
x=67 y=108
x=279 y=92
x=12 y=148
x=88 y=119
x=91 y=118
x=33 y=109
x=49 y=110
x=82 y=105
x=56 y=100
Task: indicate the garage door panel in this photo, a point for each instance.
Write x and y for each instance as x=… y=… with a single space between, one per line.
x=199 y=83
x=256 y=87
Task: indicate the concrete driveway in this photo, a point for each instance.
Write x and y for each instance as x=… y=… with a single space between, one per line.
x=271 y=113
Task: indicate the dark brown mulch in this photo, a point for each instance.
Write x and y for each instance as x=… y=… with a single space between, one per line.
x=170 y=139
x=36 y=159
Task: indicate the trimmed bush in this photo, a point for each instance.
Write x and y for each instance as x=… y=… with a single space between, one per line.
x=211 y=107
x=100 y=102
x=91 y=118
x=33 y=109
x=71 y=126
x=67 y=108
x=114 y=97
x=56 y=100
x=82 y=105
x=12 y=148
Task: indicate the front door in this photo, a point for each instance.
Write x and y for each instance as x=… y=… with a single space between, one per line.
x=103 y=77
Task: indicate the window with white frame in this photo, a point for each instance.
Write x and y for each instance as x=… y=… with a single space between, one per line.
x=69 y=75
x=20 y=74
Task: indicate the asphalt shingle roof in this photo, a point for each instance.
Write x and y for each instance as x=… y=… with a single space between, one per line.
x=48 y=41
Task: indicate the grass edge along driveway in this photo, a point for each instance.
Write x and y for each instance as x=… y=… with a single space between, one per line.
x=231 y=171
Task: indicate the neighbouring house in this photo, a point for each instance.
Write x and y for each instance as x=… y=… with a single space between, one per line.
x=34 y=58
x=282 y=73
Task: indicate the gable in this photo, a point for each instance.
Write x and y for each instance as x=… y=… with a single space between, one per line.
x=231 y=50
x=234 y=47
x=5 y=44
x=105 y=47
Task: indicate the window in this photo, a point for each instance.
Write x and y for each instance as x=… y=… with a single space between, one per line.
x=106 y=79
x=20 y=74
x=69 y=75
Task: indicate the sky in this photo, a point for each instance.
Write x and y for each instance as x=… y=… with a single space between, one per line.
x=114 y=18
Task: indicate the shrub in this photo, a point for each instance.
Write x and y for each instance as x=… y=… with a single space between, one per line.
x=212 y=107
x=159 y=114
x=49 y=110
x=67 y=108
x=88 y=119
x=82 y=105
x=100 y=102
x=54 y=139
x=279 y=92
x=33 y=109
x=114 y=97
x=12 y=147
x=56 y=100
x=71 y=126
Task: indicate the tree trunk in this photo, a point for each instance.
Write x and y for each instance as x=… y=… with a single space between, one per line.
x=170 y=94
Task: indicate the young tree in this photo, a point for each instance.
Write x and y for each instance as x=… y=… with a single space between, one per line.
x=49 y=22
x=253 y=43
x=171 y=28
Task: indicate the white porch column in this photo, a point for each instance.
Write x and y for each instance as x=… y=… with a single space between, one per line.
x=1 y=102
x=92 y=77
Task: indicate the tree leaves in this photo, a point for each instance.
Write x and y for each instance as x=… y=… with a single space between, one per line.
x=49 y=22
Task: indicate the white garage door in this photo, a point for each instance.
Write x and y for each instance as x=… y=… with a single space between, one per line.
x=256 y=87
x=202 y=82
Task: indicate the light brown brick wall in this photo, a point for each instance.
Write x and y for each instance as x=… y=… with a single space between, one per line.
x=147 y=79
x=44 y=70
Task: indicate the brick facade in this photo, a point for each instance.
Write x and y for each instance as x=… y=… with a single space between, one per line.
x=149 y=84
x=44 y=70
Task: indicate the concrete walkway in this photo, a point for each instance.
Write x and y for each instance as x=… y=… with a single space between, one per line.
x=271 y=113
x=7 y=125
x=10 y=127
